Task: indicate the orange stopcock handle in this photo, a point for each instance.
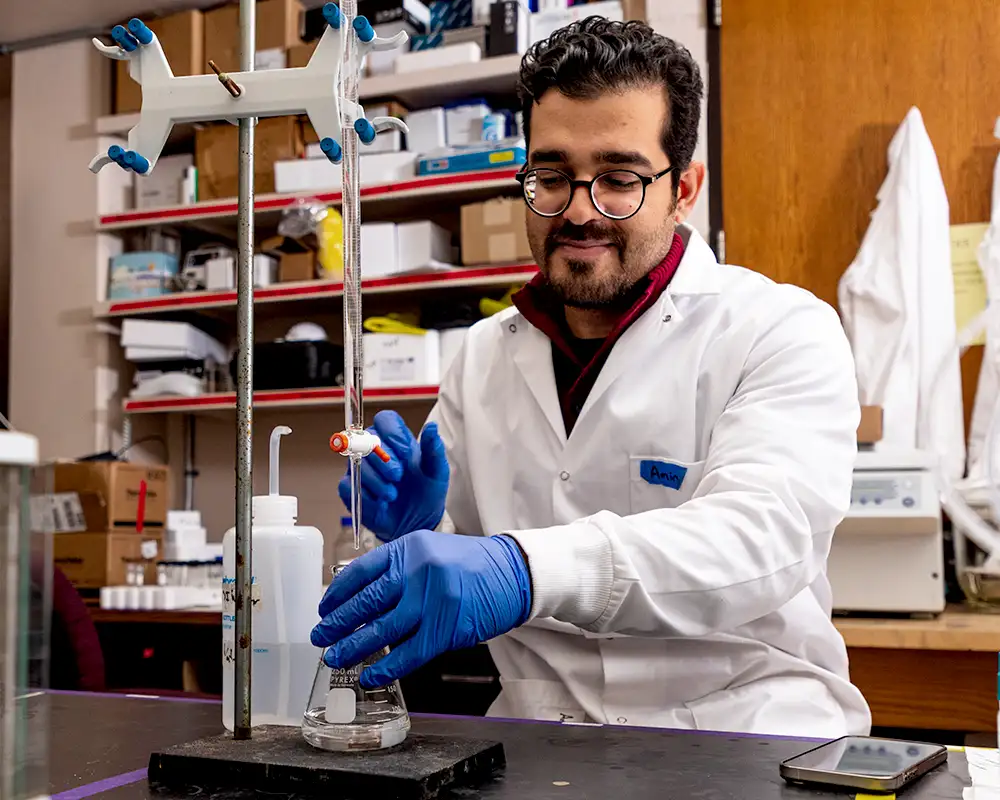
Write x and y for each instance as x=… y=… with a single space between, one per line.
x=339 y=443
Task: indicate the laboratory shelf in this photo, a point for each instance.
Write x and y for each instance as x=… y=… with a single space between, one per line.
x=276 y=398
x=458 y=278
x=429 y=87
x=384 y=199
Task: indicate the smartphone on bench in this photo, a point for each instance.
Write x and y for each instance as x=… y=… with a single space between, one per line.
x=864 y=762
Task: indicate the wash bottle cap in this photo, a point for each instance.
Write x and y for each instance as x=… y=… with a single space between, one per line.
x=273 y=507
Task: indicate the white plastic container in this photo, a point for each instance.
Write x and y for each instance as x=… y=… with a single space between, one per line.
x=287 y=585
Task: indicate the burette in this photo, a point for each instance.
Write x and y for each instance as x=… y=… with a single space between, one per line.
x=354 y=441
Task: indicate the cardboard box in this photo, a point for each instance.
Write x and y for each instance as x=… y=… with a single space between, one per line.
x=420 y=243
x=400 y=359
x=428 y=130
x=110 y=493
x=94 y=560
x=379 y=250
x=299 y=55
x=296 y=261
x=456 y=55
x=217 y=155
x=494 y=232
x=164 y=186
x=279 y=27
x=318 y=174
x=464 y=123
x=510 y=23
x=545 y=23
x=870 y=428
x=182 y=37
x=380 y=12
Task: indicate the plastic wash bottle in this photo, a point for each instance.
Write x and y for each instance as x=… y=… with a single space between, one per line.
x=286 y=588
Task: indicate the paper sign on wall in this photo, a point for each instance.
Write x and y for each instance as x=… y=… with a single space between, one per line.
x=970 y=286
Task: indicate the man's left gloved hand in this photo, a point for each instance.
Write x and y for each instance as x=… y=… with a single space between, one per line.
x=426 y=592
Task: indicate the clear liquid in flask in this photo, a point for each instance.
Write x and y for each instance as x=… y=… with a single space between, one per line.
x=341 y=715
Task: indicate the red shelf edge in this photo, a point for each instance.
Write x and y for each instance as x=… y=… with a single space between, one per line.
x=179 y=302
x=271 y=397
x=229 y=207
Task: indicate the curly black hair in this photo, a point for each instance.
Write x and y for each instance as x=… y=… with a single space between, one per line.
x=597 y=55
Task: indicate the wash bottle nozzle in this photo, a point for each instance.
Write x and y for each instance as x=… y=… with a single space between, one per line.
x=276 y=435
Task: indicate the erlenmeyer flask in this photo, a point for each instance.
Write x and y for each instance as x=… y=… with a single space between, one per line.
x=342 y=715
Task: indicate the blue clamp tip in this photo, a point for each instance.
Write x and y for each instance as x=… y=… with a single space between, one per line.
x=331 y=13
x=331 y=149
x=139 y=30
x=116 y=154
x=136 y=162
x=124 y=39
x=364 y=29
x=365 y=130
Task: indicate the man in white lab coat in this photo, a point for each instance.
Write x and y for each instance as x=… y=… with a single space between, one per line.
x=647 y=455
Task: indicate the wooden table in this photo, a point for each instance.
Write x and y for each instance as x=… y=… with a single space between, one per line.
x=929 y=674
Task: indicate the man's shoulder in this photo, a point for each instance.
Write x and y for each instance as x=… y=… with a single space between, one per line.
x=771 y=305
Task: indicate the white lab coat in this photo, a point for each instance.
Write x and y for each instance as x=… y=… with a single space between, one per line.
x=702 y=606
x=897 y=301
x=989 y=374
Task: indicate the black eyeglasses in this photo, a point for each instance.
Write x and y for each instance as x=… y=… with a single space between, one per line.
x=617 y=194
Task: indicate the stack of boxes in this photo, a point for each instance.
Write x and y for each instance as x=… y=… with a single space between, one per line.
x=122 y=514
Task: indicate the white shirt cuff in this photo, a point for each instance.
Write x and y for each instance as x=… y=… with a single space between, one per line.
x=572 y=571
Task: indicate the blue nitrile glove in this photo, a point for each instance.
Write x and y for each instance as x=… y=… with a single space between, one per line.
x=426 y=592
x=407 y=493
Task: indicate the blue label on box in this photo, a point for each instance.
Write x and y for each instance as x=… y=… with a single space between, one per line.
x=426 y=41
x=450 y=14
x=662 y=473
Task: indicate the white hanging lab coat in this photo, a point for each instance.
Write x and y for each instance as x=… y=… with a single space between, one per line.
x=989 y=374
x=897 y=301
x=696 y=596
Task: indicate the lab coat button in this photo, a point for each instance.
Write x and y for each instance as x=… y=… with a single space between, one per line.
x=564 y=475
x=512 y=328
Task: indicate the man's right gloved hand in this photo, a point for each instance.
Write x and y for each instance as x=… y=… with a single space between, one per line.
x=407 y=493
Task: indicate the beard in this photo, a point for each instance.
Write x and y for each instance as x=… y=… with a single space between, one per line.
x=584 y=284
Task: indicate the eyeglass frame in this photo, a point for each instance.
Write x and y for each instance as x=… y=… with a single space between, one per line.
x=645 y=180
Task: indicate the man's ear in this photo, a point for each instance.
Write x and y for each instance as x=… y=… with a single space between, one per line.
x=688 y=189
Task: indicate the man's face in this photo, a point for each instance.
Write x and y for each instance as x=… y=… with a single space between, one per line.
x=590 y=260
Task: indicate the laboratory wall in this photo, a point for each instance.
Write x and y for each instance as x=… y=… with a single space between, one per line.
x=811 y=96
x=6 y=65
x=66 y=370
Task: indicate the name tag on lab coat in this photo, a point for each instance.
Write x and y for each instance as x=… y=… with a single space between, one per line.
x=662 y=473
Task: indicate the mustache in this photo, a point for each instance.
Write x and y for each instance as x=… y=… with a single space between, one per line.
x=592 y=231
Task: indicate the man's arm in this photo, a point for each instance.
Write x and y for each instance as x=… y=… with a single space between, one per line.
x=758 y=528
x=461 y=513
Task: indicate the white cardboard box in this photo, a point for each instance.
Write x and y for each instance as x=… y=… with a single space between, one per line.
x=312 y=174
x=379 y=250
x=164 y=186
x=419 y=243
x=455 y=55
x=160 y=334
x=464 y=124
x=428 y=131
x=544 y=23
x=400 y=359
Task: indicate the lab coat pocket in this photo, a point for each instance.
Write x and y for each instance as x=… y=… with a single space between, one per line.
x=656 y=482
x=536 y=699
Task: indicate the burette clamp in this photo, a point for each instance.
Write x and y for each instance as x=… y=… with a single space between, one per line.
x=358 y=443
